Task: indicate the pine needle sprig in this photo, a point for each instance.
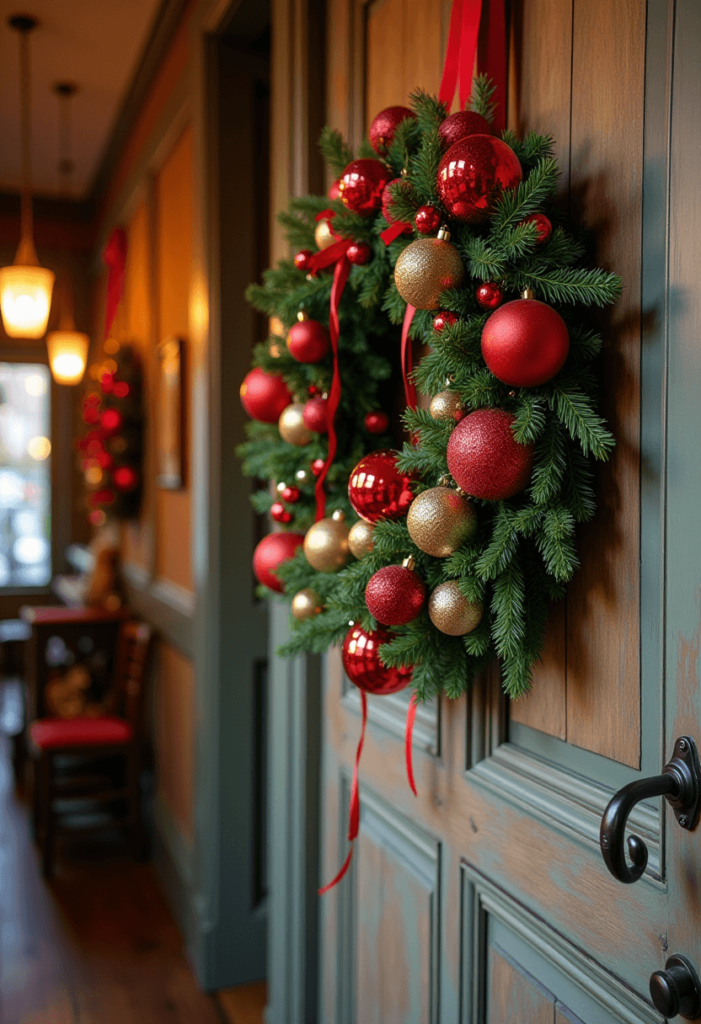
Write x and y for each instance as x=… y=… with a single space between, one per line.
x=482 y=97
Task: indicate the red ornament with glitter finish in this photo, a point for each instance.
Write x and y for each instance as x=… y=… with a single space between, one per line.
x=361 y=186
x=473 y=174
x=384 y=126
x=361 y=661
x=269 y=555
x=485 y=459
x=459 y=125
x=525 y=343
x=315 y=415
x=489 y=295
x=444 y=319
x=395 y=594
x=377 y=489
x=427 y=220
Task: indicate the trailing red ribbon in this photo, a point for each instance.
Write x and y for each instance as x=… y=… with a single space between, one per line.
x=409 y=743
x=115 y=256
x=392 y=233
x=491 y=56
x=408 y=359
x=354 y=812
x=474 y=30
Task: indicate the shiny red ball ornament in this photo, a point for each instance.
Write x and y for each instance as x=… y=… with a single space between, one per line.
x=111 y=421
x=264 y=395
x=525 y=343
x=125 y=478
x=308 y=341
x=384 y=125
x=359 y=253
x=269 y=555
x=459 y=125
x=290 y=494
x=489 y=295
x=485 y=459
x=303 y=259
x=444 y=319
x=315 y=415
x=377 y=489
x=473 y=174
x=388 y=201
x=317 y=466
x=395 y=595
x=427 y=220
x=279 y=513
x=543 y=226
x=361 y=661
x=361 y=186
x=376 y=422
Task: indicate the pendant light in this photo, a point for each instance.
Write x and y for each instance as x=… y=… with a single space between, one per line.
x=67 y=348
x=25 y=287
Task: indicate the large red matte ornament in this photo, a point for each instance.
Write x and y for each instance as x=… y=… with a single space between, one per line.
x=125 y=478
x=308 y=341
x=315 y=415
x=485 y=459
x=361 y=186
x=395 y=595
x=525 y=343
x=264 y=396
x=473 y=174
x=271 y=552
x=361 y=661
x=461 y=124
x=377 y=490
x=384 y=125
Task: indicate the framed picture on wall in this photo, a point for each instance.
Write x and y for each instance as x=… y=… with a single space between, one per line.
x=170 y=432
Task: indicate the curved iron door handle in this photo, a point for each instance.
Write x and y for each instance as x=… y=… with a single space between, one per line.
x=680 y=783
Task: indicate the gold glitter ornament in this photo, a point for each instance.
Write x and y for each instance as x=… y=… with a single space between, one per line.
x=360 y=539
x=440 y=520
x=326 y=544
x=447 y=405
x=451 y=612
x=323 y=235
x=426 y=268
x=306 y=604
x=291 y=425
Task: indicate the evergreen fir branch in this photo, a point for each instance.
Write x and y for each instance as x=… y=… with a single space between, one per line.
x=482 y=97
x=595 y=287
x=484 y=261
x=536 y=147
x=578 y=487
x=460 y=565
x=561 y=250
x=481 y=391
x=518 y=242
x=424 y=465
x=527 y=519
x=573 y=408
x=517 y=674
x=425 y=167
x=472 y=587
x=550 y=459
x=530 y=418
x=556 y=543
x=478 y=642
x=405 y=140
x=502 y=547
x=261 y=501
x=405 y=201
x=393 y=304
x=336 y=153
x=515 y=204
x=365 y=151
x=298 y=232
x=428 y=109
x=509 y=610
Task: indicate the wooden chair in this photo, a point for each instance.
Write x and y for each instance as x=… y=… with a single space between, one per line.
x=95 y=759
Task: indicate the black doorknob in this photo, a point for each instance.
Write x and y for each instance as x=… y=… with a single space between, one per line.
x=676 y=989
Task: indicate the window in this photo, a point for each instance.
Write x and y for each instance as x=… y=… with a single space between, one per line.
x=25 y=475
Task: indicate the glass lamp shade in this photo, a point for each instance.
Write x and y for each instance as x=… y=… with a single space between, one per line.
x=68 y=353
x=25 y=300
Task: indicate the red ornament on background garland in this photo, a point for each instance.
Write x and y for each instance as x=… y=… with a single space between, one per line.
x=361 y=186
x=290 y=494
x=459 y=125
x=308 y=341
x=317 y=466
x=473 y=174
x=525 y=343
x=315 y=415
x=388 y=201
x=269 y=555
x=279 y=513
x=484 y=458
x=111 y=422
x=427 y=220
x=125 y=478
x=543 y=225
x=384 y=125
x=377 y=489
x=395 y=594
x=361 y=661
x=489 y=295
x=444 y=319
x=264 y=395
x=376 y=422
x=302 y=259
x=334 y=192
x=359 y=253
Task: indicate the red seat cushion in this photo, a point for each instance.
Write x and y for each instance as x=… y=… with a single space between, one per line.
x=50 y=733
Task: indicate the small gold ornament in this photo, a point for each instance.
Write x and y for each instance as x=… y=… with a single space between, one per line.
x=323 y=235
x=306 y=604
x=291 y=425
x=426 y=268
x=440 y=520
x=326 y=544
x=360 y=539
x=451 y=612
x=447 y=405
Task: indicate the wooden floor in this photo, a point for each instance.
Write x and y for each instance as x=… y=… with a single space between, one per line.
x=96 y=945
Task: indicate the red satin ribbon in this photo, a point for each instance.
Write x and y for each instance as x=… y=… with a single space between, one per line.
x=409 y=743
x=115 y=256
x=482 y=31
x=393 y=232
x=354 y=813
x=408 y=358
x=491 y=56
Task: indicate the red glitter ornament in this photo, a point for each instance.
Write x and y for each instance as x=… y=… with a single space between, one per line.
x=388 y=202
x=269 y=555
x=525 y=343
x=376 y=422
x=264 y=395
x=361 y=661
x=302 y=259
x=444 y=319
x=111 y=421
x=485 y=459
x=317 y=466
x=279 y=513
x=308 y=341
x=473 y=174
x=315 y=415
x=377 y=489
x=359 y=253
x=489 y=295
x=459 y=125
x=290 y=494
x=125 y=478
x=395 y=594
x=427 y=220
x=361 y=186
x=543 y=226
x=384 y=125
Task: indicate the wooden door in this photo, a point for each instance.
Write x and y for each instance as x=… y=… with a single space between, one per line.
x=486 y=899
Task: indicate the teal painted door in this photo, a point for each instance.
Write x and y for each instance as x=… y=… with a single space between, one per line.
x=486 y=899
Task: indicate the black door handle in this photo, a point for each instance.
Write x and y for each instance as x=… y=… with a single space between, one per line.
x=676 y=989
x=680 y=783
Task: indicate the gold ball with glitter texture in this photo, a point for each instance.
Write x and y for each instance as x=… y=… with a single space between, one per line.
x=447 y=405
x=326 y=544
x=323 y=235
x=440 y=520
x=291 y=425
x=426 y=268
x=306 y=604
x=360 y=539
x=451 y=612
